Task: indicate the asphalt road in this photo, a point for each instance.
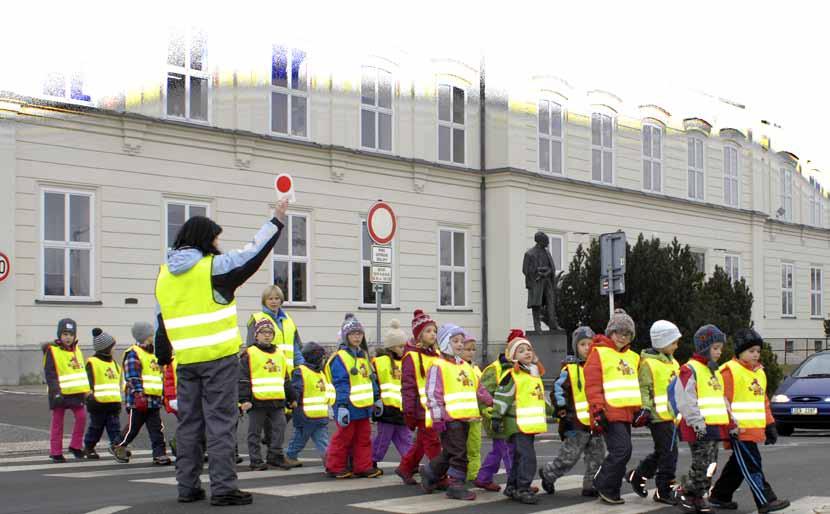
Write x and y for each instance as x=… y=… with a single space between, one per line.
x=797 y=468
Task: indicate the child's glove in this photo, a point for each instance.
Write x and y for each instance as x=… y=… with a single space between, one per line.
x=487 y=412
x=377 y=410
x=411 y=422
x=140 y=402
x=641 y=418
x=599 y=422
x=497 y=425
x=772 y=434
x=343 y=416
x=439 y=426
x=700 y=431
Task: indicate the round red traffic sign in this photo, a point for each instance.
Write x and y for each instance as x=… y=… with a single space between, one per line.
x=283 y=183
x=382 y=223
x=5 y=266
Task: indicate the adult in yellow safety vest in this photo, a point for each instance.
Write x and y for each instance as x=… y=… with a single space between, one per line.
x=104 y=404
x=286 y=336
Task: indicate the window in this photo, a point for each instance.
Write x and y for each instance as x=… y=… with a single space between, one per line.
x=730 y=175
x=550 y=136
x=602 y=148
x=818 y=345
x=787 y=289
x=816 y=292
x=291 y=259
x=289 y=92
x=367 y=290
x=732 y=266
x=652 y=158
x=696 y=168
x=176 y=213
x=700 y=261
x=452 y=251
x=557 y=250
x=451 y=102
x=66 y=86
x=789 y=346
x=786 y=193
x=816 y=204
x=188 y=83
x=67 y=243
x=376 y=110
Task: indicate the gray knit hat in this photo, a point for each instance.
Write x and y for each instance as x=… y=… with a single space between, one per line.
x=67 y=325
x=142 y=330
x=101 y=340
x=395 y=336
x=620 y=323
x=583 y=332
x=706 y=336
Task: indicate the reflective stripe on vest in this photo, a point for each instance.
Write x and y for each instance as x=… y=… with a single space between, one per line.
x=315 y=393
x=749 y=407
x=710 y=399
x=72 y=377
x=389 y=380
x=662 y=374
x=284 y=339
x=460 y=386
x=361 y=393
x=151 y=377
x=267 y=374
x=619 y=377
x=199 y=329
x=576 y=375
x=107 y=377
x=530 y=403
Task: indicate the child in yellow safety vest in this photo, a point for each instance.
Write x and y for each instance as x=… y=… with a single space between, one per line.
x=103 y=404
x=474 y=437
x=315 y=395
x=571 y=403
x=745 y=386
x=390 y=426
x=657 y=369
x=519 y=413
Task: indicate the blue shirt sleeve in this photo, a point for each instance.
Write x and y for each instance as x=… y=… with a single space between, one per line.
x=559 y=392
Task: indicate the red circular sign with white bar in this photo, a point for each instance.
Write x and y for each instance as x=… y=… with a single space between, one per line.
x=5 y=266
x=382 y=223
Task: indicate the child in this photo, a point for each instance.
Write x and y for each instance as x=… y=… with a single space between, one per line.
x=705 y=420
x=571 y=404
x=314 y=397
x=657 y=369
x=67 y=387
x=452 y=394
x=143 y=383
x=745 y=386
x=417 y=358
x=474 y=437
x=356 y=391
x=104 y=404
x=520 y=413
x=387 y=365
x=264 y=391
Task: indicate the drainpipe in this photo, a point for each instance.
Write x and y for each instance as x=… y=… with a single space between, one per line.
x=483 y=210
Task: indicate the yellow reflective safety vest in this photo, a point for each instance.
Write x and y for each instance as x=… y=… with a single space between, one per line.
x=284 y=339
x=389 y=380
x=619 y=377
x=318 y=393
x=497 y=369
x=361 y=393
x=151 y=376
x=460 y=386
x=576 y=376
x=199 y=329
x=530 y=403
x=749 y=407
x=662 y=374
x=69 y=366
x=107 y=377
x=268 y=374
x=418 y=360
x=710 y=398
x=477 y=371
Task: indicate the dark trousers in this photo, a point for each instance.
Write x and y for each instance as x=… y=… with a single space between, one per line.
x=523 y=469
x=745 y=458
x=610 y=475
x=453 y=456
x=258 y=419
x=662 y=463
x=97 y=422
x=137 y=419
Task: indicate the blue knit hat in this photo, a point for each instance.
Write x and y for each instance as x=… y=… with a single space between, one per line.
x=445 y=333
x=706 y=336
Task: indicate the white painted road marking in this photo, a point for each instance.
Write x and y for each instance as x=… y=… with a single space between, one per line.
x=808 y=505
x=633 y=505
x=109 y=510
x=73 y=464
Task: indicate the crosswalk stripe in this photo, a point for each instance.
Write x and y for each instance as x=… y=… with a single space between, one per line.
x=335 y=486
x=109 y=510
x=73 y=464
x=808 y=505
x=34 y=459
x=146 y=470
x=633 y=505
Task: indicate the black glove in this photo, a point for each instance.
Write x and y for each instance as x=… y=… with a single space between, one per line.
x=496 y=424
x=772 y=434
x=599 y=423
x=642 y=418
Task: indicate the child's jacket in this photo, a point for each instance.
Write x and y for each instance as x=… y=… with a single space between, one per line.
x=745 y=389
x=700 y=400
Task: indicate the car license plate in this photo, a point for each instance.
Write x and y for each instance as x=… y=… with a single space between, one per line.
x=804 y=411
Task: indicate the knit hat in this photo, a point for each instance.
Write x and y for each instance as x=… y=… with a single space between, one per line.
x=468 y=336
x=745 y=339
x=313 y=353
x=350 y=324
x=419 y=322
x=263 y=324
x=394 y=336
x=583 y=332
x=101 y=340
x=67 y=325
x=706 y=336
x=445 y=333
x=620 y=323
x=142 y=330
x=663 y=333
x=514 y=341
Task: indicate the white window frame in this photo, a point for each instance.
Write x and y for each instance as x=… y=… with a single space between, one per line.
x=548 y=139
x=788 y=292
x=377 y=109
x=452 y=125
x=67 y=245
x=785 y=192
x=612 y=119
x=68 y=78
x=290 y=258
x=650 y=160
x=188 y=72
x=697 y=251
x=562 y=250
x=695 y=169
x=734 y=270
x=453 y=268
x=815 y=204
x=290 y=92
x=735 y=179
x=187 y=204
x=816 y=292
x=368 y=262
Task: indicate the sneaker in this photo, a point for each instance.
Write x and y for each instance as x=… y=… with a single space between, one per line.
x=458 y=491
x=526 y=497
x=722 y=504
x=547 y=484
x=236 y=497
x=279 y=462
x=91 y=454
x=258 y=466
x=407 y=479
x=610 y=499
x=773 y=506
x=703 y=507
x=666 y=498
x=163 y=460
x=638 y=483
x=533 y=489
x=590 y=493
x=198 y=494
x=685 y=501
x=294 y=463
x=59 y=459
x=340 y=475
x=77 y=453
x=428 y=481
x=120 y=454
x=369 y=473
x=487 y=486
x=509 y=491
x=239 y=459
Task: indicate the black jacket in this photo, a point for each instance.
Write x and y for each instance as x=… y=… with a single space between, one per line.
x=390 y=415
x=91 y=404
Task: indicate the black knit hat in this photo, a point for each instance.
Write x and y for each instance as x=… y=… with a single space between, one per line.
x=313 y=353
x=745 y=339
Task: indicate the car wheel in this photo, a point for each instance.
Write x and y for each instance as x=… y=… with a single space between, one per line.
x=784 y=429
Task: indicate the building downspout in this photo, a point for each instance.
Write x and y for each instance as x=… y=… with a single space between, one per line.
x=483 y=210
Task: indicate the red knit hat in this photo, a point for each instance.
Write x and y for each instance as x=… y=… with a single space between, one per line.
x=419 y=322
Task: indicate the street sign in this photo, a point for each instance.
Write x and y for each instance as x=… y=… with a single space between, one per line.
x=5 y=266
x=380 y=275
x=381 y=254
x=284 y=185
x=612 y=266
x=382 y=223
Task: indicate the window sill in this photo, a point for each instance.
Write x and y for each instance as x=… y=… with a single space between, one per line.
x=68 y=302
x=450 y=309
x=788 y=317
x=300 y=306
x=818 y=318
x=385 y=308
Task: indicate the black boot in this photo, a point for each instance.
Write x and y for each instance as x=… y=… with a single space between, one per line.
x=638 y=483
x=547 y=483
x=91 y=454
x=773 y=506
x=236 y=497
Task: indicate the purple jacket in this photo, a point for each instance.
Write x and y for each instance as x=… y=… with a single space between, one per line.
x=435 y=393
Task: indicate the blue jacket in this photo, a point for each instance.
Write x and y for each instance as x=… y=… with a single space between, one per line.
x=340 y=379
x=298 y=417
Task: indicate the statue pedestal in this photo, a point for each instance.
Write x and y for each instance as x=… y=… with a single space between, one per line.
x=551 y=346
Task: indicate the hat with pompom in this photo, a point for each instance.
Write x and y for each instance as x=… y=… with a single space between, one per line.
x=394 y=336
x=515 y=339
x=420 y=320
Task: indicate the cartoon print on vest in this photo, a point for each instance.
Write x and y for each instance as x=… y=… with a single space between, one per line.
x=73 y=363
x=624 y=368
x=364 y=371
x=154 y=365
x=321 y=385
x=756 y=388
x=538 y=393
x=396 y=373
x=110 y=374
x=465 y=380
x=270 y=366
x=714 y=383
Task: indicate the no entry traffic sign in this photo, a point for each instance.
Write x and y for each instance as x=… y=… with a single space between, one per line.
x=5 y=266
x=382 y=223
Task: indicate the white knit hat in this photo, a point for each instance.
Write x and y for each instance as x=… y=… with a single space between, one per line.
x=663 y=333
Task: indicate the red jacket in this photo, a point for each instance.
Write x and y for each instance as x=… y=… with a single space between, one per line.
x=169 y=388
x=756 y=435
x=409 y=381
x=593 y=383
